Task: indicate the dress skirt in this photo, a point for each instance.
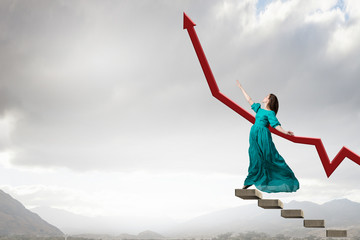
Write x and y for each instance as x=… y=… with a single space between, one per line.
x=268 y=170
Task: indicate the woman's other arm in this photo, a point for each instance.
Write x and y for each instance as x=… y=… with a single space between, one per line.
x=280 y=129
x=250 y=101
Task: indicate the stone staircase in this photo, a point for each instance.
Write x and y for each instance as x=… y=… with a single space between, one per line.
x=253 y=194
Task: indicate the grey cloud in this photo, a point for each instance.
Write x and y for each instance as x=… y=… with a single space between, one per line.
x=117 y=85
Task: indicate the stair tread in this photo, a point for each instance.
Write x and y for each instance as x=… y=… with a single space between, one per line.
x=270 y=204
x=336 y=233
x=248 y=194
x=292 y=213
x=314 y=223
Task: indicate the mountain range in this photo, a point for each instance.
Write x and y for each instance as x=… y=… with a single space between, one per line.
x=339 y=213
x=15 y=219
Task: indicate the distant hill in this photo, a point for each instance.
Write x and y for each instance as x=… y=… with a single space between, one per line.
x=141 y=236
x=149 y=235
x=70 y=223
x=15 y=219
x=75 y=224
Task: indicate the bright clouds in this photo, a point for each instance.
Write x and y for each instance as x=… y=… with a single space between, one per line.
x=176 y=196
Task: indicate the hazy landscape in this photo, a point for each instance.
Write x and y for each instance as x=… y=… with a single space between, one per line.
x=243 y=222
x=340 y=213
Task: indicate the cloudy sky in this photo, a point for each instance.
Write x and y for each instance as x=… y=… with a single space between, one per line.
x=105 y=111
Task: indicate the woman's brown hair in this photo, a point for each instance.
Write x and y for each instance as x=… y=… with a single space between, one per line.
x=273 y=103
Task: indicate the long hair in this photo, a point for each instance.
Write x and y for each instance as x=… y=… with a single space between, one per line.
x=273 y=103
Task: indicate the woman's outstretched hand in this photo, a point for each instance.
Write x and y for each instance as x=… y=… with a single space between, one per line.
x=238 y=84
x=280 y=129
x=290 y=133
x=247 y=97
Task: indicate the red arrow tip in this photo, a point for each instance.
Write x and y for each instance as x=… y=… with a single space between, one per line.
x=188 y=23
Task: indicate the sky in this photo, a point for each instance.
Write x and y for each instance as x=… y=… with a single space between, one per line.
x=105 y=111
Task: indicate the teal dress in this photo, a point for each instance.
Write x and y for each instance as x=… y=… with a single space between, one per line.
x=268 y=170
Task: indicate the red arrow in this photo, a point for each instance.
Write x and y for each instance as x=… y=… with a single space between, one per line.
x=329 y=167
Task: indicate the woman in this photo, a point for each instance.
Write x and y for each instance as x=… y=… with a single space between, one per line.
x=268 y=170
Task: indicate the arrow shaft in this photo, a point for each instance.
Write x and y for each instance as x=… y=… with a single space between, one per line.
x=211 y=79
x=203 y=61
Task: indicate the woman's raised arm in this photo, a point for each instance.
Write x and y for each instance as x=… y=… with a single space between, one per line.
x=250 y=101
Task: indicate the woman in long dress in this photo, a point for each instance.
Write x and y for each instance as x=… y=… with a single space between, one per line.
x=268 y=170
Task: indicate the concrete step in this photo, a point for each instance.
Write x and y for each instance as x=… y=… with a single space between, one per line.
x=270 y=203
x=314 y=223
x=292 y=213
x=336 y=233
x=248 y=194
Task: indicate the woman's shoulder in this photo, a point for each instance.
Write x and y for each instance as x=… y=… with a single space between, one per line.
x=256 y=107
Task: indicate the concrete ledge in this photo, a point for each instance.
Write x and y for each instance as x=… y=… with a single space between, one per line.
x=270 y=203
x=248 y=194
x=336 y=233
x=314 y=223
x=292 y=213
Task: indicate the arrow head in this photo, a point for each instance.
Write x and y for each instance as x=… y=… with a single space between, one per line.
x=188 y=23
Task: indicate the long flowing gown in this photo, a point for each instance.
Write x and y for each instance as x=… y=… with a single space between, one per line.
x=268 y=170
